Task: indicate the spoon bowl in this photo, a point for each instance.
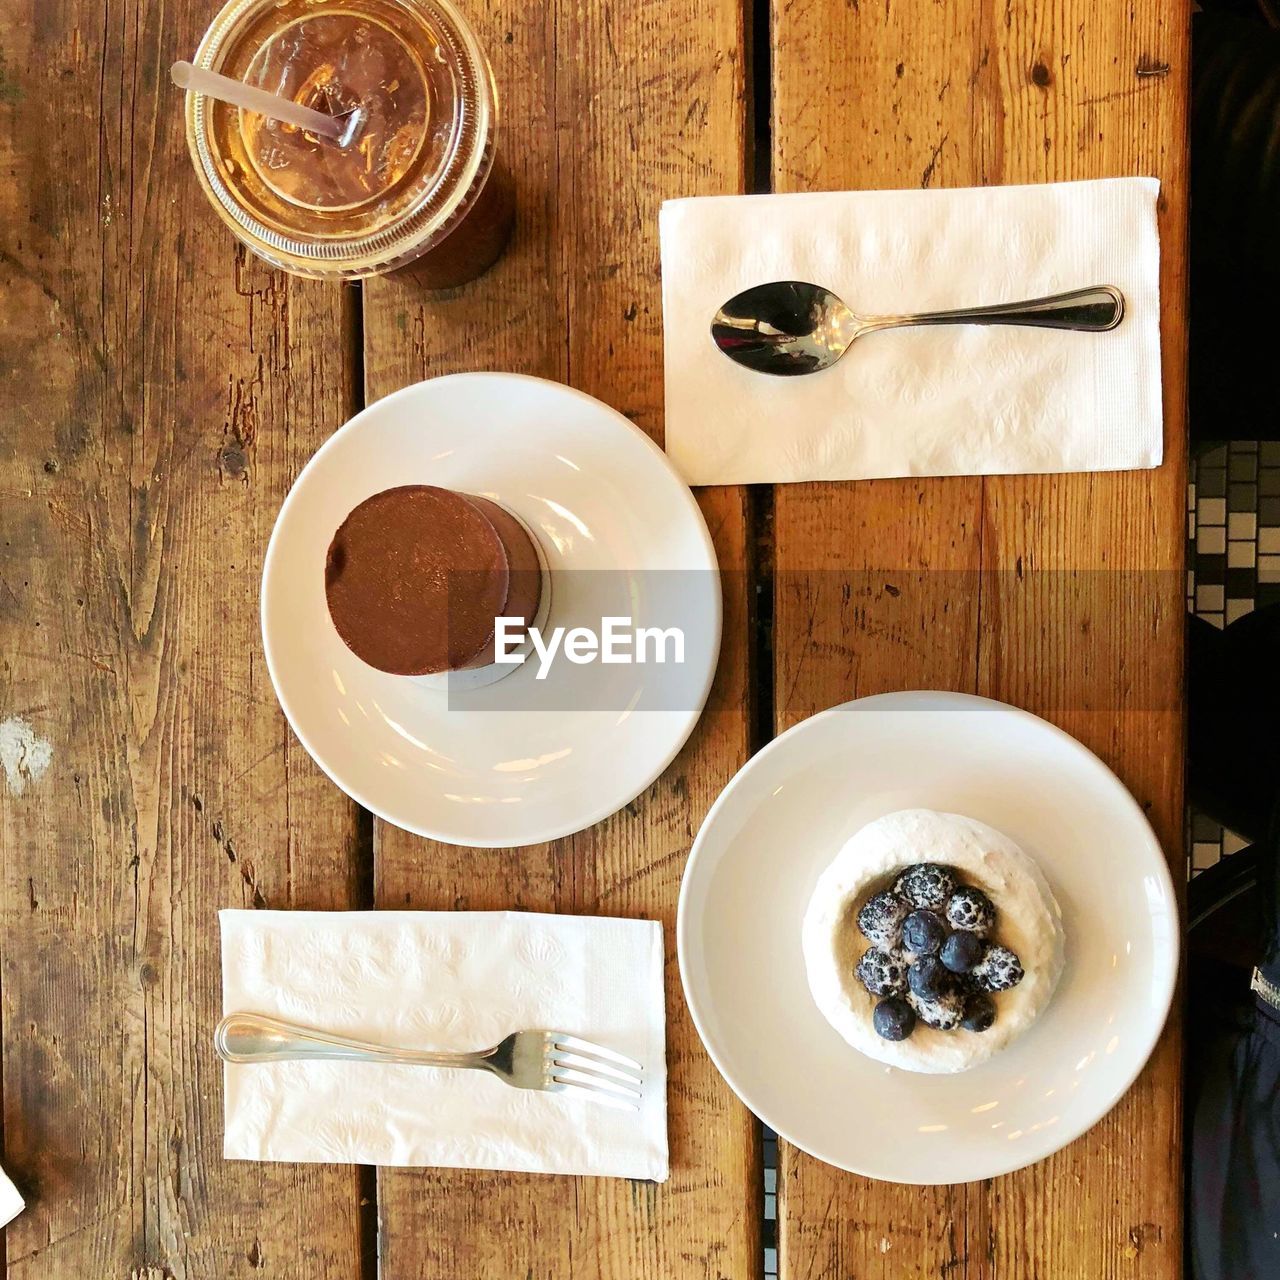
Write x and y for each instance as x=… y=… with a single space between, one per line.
x=790 y=327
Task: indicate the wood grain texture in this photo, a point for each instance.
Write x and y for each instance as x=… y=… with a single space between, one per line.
x=608 y=109
x=1005 y=586
x=160 y=392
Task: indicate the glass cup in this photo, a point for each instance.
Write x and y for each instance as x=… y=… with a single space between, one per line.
x=416 y=181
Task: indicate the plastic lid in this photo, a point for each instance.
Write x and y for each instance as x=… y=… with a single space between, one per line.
x=421 y=155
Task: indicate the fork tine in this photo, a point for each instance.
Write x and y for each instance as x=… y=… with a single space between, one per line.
x=584 y=1079
x=578 y=1045
x=595 y=1095
x=596 y=1067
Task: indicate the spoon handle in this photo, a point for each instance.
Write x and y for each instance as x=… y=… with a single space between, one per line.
x=1093 y=310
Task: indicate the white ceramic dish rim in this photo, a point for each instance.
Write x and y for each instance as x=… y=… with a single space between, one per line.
x=932 y=700
x=599 y=813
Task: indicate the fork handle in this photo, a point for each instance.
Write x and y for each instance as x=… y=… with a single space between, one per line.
x=250 y=1037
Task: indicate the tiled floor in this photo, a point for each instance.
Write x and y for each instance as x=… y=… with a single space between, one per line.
x=770 y=1203
x=1233 y=526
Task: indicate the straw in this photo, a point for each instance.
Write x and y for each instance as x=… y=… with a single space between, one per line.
x=271 y=105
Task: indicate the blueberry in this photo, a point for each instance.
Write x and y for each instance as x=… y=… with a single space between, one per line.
x=926 y=885
x=962 y=951
x=883 y=973
x=893 y=1019
x=972 y=910
x=998 y=970
x=928 y=978
x=923 y=933
x=944 y=1012
x=881 y=917
x=979 y=1012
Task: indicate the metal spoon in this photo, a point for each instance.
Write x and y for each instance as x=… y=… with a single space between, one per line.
x=788 y=327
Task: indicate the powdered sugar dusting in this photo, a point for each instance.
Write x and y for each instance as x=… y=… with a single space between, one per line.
x=1030 y=922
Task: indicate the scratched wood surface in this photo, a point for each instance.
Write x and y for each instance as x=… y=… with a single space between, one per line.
x=608 y=109
x=992 y=586
x=159 y=393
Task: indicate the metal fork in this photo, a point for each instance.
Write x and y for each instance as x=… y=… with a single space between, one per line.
x=552 y=1061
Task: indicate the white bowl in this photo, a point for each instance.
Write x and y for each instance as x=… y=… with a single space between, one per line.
x=781 y=821
x=517 y=761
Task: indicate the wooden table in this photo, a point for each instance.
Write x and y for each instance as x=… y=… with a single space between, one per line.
x=162 y=390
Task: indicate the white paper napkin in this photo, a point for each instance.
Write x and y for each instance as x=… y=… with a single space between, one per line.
x=11 y=1201
x=444 y=980
x=942 y=401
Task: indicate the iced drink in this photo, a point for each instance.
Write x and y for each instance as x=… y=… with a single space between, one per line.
x=415 y=176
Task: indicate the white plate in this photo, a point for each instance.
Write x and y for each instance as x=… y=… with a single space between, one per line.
x=779 y=823
x=518 y=761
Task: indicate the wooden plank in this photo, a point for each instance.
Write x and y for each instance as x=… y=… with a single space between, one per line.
x=972 y=92
x=608 y=109
x=161 y=392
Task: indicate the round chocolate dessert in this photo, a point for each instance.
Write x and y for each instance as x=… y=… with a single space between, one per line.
x=416 y=576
